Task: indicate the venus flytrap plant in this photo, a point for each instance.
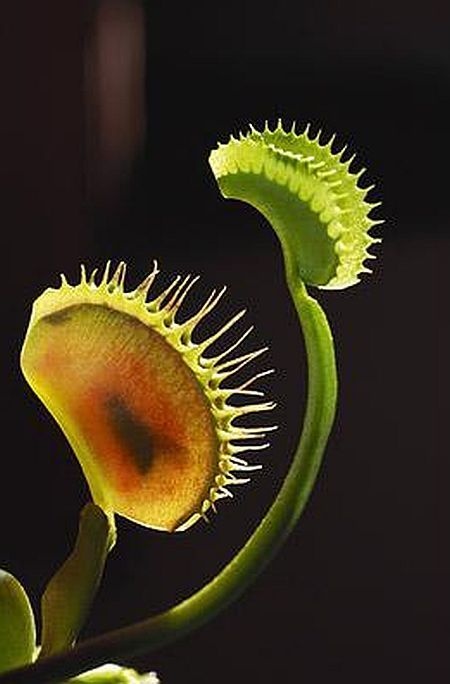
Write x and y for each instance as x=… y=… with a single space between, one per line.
x=143 y=406
x=147 y=410
x=309 y=196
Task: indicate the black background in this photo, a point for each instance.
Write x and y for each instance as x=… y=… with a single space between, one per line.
x=360 y=591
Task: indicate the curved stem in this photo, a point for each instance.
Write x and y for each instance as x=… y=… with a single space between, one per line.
x=152 y=633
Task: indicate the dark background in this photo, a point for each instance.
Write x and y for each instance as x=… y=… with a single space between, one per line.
x=360 y=593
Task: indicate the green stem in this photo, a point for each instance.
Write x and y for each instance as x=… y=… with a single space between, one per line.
x=166 y=627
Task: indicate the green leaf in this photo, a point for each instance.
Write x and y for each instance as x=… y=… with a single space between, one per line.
x=69 y=594
x=114 y=674
x=17 y=629
x=309 y=196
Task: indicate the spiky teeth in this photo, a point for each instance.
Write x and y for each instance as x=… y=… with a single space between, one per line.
x=148 y=413
x=308 y=194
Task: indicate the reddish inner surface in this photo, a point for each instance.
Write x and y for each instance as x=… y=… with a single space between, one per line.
x=133 y=410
